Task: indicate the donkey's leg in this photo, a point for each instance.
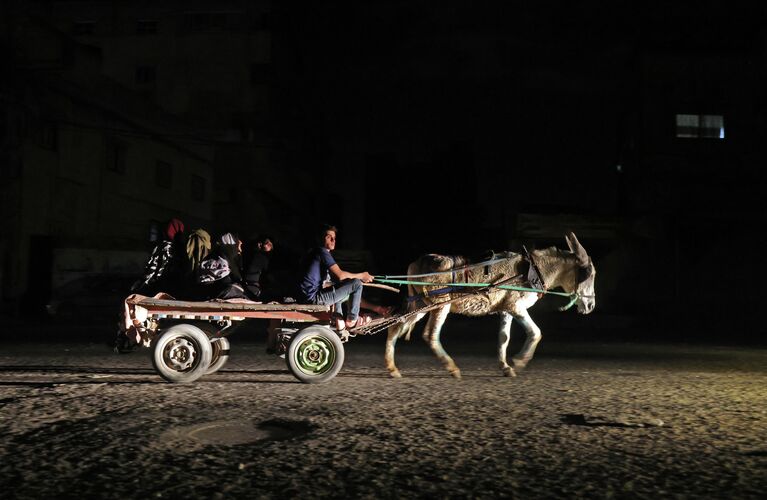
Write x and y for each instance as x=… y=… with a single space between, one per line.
x=504 y=336
x=431 y=334
x=395 y=332
x=531 y=342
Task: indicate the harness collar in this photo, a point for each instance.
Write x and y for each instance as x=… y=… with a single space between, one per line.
x=534 y=276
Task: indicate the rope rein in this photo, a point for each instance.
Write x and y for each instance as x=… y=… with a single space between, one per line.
x=385 y=323
x=479 y=285
x=471 y=290
x=449 y=271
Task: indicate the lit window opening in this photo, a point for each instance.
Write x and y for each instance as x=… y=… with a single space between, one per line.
x=700 y=126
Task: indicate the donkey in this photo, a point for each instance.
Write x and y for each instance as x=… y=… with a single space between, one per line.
x=573 y=271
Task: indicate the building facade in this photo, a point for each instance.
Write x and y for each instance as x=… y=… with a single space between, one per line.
x=89 y=167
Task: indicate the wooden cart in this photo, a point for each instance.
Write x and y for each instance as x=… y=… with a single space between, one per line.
x=188 y=339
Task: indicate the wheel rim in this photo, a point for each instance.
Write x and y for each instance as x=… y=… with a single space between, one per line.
x=180 y=354
x=315 y=356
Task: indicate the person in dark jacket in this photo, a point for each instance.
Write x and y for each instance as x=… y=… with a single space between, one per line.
x=256 y=267
x=164 y=270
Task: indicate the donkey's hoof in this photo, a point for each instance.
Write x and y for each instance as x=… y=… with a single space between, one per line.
x=395 y=374
x=456 y=373
x=509 y=372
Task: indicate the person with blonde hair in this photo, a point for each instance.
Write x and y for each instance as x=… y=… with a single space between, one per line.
x=198 y=247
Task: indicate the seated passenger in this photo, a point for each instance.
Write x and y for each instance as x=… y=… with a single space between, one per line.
x=256 y=266
x=164 y=269
x=318 y=264
x=219 y=275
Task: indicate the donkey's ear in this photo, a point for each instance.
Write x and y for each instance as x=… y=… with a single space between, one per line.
x=577 y=248
x=571 y=241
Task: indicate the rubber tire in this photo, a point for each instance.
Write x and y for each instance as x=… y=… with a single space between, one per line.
x=194 y=342
x=324 y=342
x=219 y=354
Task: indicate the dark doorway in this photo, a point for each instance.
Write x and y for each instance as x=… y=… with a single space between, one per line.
x=39 y=275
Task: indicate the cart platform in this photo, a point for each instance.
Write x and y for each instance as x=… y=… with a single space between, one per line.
x=224 y=311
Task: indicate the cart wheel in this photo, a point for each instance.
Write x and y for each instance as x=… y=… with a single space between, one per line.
x=315 y=355
x=220 y=354
x=182 y=354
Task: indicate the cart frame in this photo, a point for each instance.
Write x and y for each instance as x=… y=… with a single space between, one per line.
x=188 y=339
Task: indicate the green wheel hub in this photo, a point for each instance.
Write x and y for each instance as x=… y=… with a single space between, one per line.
x=315 y=356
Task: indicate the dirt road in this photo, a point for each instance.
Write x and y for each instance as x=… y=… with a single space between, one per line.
x=586 y=419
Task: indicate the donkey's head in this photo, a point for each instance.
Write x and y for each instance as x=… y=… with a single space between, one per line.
x=586 y=274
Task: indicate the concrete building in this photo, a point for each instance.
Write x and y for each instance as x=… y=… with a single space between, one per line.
x=210 y=64
x=90 y=168
x=693 y=179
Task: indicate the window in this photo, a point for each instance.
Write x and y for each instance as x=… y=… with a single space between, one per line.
x=84 y=27
x=10 y=166
x=146 y=26
x=260 y=73
x=261 y=21
x=163 y=174
x=145 y=75
x=155 y=231
x=116 y=156
x=207 y=21
x=700 y=126
x=198 y=188
x=4 y=120
x=47 y=135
